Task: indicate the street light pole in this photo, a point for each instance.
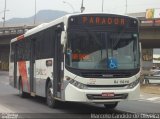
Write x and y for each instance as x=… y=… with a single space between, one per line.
x=82 y=7
x=69 y=5
x=126 y=7
x=4 y=17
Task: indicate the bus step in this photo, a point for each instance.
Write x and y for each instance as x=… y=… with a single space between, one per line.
x=33 y=94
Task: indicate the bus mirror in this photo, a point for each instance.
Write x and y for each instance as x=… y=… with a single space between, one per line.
x=63 y=37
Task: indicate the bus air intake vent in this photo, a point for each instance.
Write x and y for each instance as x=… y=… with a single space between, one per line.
x=105 y=75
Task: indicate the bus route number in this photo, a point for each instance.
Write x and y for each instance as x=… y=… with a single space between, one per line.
x=121 y=81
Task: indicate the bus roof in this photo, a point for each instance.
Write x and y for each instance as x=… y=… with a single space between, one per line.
x=40 y=28
x=63 y=19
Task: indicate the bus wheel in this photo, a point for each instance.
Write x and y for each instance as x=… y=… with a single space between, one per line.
x=111 y=106
x=21 y=92
x=51 y=102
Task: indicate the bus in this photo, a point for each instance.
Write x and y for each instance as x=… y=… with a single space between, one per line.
x=89 y=57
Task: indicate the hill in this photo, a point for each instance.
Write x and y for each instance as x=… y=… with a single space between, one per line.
x=41 y=17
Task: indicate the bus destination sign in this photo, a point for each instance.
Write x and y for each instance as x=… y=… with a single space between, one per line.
x=107 y=20
x=92 y=20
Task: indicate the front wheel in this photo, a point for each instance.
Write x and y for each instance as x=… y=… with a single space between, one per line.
x=111 y=106
x=51 y=102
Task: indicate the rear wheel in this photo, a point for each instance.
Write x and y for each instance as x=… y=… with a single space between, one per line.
x=51 y=102
x=111 y=106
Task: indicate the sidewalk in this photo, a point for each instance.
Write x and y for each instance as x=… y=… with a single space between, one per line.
x=150 y=88
x=4 y=73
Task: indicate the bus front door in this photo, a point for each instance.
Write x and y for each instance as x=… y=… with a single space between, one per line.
x=15 y=66
x=57 y=66
x=32 y=69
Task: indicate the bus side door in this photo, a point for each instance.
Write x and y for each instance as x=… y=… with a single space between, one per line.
x=15 y=65
x=58 y=60
x=32 y=68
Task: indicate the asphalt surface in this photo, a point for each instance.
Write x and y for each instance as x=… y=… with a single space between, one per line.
x=11 y=105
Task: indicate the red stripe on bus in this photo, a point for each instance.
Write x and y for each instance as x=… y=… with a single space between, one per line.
x=23 y=73
x=20 y=37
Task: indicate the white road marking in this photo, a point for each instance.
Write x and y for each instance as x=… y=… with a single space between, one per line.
x=152 y=99
x=4 y=109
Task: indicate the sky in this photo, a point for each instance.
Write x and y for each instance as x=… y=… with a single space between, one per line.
x=26 y=8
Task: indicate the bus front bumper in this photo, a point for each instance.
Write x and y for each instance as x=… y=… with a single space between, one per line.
x=75 y=94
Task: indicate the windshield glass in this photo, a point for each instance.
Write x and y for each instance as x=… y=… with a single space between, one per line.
x=102 y=50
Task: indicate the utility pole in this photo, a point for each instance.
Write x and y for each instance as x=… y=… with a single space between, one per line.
x=4 y=17
x=102 y=5
x=35 y=10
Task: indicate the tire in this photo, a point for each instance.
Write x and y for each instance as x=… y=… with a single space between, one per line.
x=51 y=102
x=111 y=106
x=21 y=92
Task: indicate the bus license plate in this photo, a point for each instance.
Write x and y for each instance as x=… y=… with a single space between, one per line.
x=107 y=94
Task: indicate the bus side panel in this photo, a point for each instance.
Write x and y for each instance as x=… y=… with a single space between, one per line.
x=23 y=72
x=44 y=70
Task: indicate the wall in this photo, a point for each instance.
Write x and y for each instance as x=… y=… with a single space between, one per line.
x=4 y=57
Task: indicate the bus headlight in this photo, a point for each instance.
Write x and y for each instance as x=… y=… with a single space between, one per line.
x=78 y=84
x=133 y=84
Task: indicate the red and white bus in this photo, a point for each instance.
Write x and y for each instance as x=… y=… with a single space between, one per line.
x=92 y=58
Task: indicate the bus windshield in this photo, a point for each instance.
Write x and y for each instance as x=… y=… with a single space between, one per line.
x=96 y=50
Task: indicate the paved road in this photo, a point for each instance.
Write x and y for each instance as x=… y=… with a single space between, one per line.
x=10 y=102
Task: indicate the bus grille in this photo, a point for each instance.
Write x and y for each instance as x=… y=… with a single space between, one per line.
x=100 y=97
x=105 y=75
